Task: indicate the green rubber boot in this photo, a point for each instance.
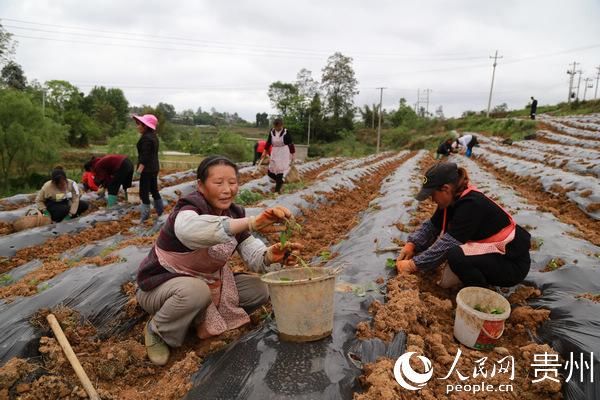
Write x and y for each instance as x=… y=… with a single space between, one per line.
x=111 y=200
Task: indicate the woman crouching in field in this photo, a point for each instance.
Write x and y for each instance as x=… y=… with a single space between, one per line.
x=185 y=280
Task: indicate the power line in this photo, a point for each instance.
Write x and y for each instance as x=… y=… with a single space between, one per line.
x=221 y=44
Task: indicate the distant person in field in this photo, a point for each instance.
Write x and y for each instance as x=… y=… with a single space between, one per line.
x=148 y=167
x=259 y=148
x=533 y=108
x=468 y=142
x=481 y=242
x=185 y=281
x=112 y=172
x=282 y=150
x=444 y=149
x=87 y=179
x=59 y=198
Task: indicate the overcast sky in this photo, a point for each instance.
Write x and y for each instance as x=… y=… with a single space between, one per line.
x=224 y=54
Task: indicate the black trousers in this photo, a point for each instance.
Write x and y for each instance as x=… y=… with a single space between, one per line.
x=122 y=177
x=256 y=157
x=60 y=209
x=149 y=184
x=488 y=269
x=278 y=180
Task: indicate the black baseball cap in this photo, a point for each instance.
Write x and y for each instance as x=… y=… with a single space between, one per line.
x=436 y=176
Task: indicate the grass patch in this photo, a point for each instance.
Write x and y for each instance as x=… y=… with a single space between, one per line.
x=246 y=197
x=515 y=129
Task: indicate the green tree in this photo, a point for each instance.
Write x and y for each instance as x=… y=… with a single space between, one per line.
x=284 y=98
x=340 y=86
x=110 y=108
x=27 y=139
x=404 y=116
x=7 y=45
x=262 y=120
x=82 y=128
x=61 y=96
x=13 y=77
x=168 y=110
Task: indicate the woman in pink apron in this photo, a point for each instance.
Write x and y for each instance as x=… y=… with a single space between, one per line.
x=185 y=281
x=480 y=240
x=282 y=152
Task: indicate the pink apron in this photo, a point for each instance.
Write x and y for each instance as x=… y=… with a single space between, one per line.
x=210 y=265
x=493 y=244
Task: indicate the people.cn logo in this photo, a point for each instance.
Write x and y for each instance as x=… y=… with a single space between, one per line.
x=407 y=377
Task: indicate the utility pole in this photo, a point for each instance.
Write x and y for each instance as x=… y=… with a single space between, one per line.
x=597 y=79
x=572 y=74
x=308 y=141
x=492 y=86
x=427 y=91
x=578 y=83
x=418 y=104
x=373 y=118
x=586 y=85
x=380 y=112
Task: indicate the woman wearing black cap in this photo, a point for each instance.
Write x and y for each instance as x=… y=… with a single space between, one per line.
x=59 y=198
x=480 y=241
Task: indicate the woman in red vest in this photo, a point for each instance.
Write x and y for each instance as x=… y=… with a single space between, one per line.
x=112 y=171
x=481 y=242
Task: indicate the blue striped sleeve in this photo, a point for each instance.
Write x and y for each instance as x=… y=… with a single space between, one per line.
x=436 y=253
x=424 y=236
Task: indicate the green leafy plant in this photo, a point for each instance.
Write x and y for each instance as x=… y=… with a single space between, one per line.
x=325 y=255
x=390 y=263
x=291 y=228
x=489 y=310
x=42 y=287
x=246 y=197
x=5 y=279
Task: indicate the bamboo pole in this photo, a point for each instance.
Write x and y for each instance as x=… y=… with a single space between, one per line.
x=79 y=371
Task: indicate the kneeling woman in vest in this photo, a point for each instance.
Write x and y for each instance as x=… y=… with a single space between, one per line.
x=480 y=240
x=185 y=280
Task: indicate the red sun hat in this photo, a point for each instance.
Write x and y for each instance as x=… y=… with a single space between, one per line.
x=147 y=119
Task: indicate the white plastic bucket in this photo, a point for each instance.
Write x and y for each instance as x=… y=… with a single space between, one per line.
x=133 y=195
x=476 y=329
x=302 y=300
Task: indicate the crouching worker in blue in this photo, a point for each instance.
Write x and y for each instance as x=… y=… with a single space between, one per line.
x=479 y=239
x=185 y=281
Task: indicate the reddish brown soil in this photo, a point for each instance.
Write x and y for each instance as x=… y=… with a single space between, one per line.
x=325 y=225
x=28 y=285
x=590 y=296
x=553 y=265
x=558 y=204
x=5 y=228
x=62 y=243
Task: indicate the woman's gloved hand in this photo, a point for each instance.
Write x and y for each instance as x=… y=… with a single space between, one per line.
x=284 y=255
x=406 y=266
x=407 y=252
x=264 y=222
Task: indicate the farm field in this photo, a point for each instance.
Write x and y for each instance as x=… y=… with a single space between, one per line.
x=354 y=214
